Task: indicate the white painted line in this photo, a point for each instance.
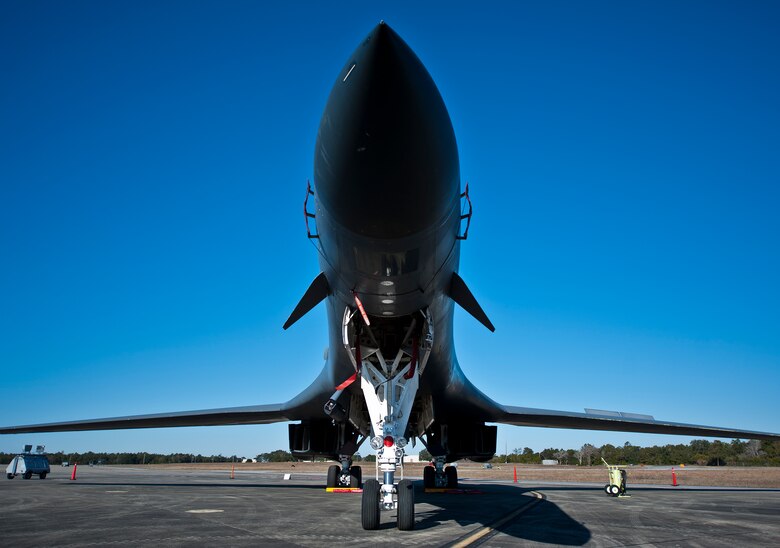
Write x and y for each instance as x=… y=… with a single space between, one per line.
x=204 y=511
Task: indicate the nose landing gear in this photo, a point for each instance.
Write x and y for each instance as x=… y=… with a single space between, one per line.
x=389 y=388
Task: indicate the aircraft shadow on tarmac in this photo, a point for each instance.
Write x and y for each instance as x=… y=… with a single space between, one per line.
x=542 y=521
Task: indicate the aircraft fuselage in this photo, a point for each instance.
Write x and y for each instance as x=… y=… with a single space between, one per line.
x=388 y=210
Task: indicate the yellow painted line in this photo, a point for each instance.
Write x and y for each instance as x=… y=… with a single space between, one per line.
x=343 y=490
x=471 y=539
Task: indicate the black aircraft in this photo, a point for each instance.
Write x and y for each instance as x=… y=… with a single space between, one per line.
x=387 y=214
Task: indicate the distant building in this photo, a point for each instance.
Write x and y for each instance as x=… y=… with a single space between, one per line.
x=549 y=462
x=248 y=460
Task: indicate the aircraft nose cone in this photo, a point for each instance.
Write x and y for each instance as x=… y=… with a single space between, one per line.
x=386 y=160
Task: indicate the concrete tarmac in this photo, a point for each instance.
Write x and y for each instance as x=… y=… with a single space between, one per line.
x=117 y=506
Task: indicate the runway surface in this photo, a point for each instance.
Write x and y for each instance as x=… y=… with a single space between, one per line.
x=117 y=506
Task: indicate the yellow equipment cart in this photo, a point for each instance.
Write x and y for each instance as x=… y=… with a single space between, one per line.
x=617 y=480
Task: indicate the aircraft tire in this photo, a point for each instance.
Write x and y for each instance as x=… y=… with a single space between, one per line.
x=369 y=505
x=452 y=477
x=333 y=475
x=405 y=505
x=42 y=475
x=356 y=477
x=429 y=477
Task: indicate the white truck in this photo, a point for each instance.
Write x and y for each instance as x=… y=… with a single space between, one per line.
x=28 y=464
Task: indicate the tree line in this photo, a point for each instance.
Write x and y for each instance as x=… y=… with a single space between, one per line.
x=91 y=457
x=699 y=452
x=126 y=458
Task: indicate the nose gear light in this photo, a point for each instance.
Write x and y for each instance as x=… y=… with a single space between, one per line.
x=376 y=443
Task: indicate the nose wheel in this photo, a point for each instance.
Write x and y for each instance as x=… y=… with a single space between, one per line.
x=405 y=505
x=371 y=505
x=369 y=511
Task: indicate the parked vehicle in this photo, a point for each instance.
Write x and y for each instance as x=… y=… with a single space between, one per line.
x=28 y=464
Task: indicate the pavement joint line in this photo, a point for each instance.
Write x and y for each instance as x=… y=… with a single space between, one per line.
x=487 y=529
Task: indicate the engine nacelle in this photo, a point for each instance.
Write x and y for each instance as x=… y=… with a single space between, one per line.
x=474 y=441
x=322 y=438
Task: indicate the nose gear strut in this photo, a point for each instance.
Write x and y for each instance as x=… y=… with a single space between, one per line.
x=389 y=387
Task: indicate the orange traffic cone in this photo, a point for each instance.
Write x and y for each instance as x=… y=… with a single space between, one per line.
x=233 y=472
x=674 y=478
x=73 y=474
x=515 y=474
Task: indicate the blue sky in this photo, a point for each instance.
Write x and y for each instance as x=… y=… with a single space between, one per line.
x=622 y=159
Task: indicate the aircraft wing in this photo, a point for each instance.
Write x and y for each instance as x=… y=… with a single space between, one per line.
x=255 y=414
x=621 y=422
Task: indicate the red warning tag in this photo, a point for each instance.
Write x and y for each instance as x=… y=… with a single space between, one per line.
x=347 y=382
x=360 y=307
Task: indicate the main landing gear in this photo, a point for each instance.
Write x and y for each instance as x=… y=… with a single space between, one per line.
x=437 y=476
x=345 y=475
